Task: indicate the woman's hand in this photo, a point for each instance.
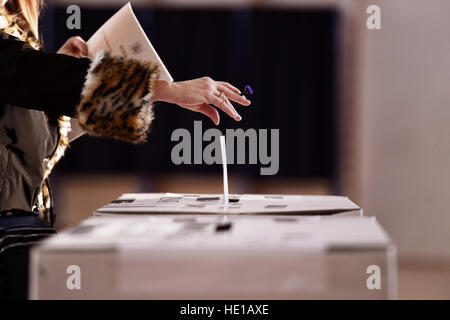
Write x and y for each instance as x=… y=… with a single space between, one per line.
x=75 y=47
x=199 y=94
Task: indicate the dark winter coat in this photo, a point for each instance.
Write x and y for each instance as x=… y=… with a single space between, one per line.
x=39 y=91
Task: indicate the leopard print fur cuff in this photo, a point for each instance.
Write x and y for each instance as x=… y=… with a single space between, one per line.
x=115 y=100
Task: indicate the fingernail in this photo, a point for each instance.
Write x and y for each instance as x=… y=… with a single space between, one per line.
x=248 y=89
x=238 y=118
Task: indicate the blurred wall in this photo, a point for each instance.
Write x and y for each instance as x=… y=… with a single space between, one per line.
x=404 y=125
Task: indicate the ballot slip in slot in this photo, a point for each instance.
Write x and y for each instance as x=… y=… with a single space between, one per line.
x=225 y=173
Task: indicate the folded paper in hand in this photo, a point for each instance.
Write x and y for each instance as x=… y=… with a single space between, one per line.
x=122 y=35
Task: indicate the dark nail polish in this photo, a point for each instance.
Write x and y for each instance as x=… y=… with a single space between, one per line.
x=248 y=90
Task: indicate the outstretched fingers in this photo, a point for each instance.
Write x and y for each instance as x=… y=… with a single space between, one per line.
x=229 y=86
x=210 y=112
x=232 y=95
x=224 y=105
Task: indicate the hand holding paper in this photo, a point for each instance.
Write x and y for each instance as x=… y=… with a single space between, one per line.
x=123 y=35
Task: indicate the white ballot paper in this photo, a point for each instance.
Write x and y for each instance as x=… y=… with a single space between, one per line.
x=153 y=203
x=225 y=173
x=122 y=35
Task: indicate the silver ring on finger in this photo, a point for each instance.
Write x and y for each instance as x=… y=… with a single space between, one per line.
x=223 y=96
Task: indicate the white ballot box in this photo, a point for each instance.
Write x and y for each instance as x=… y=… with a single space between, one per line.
x=216 y=256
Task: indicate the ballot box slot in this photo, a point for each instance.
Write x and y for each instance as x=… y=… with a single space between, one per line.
x=122 y=200
x=208 y=199
x=223 y=226
x=276 y=206
x=285 y=219
x=170 y=199
x=369 y=247
x=183 y=220
x=82 y=229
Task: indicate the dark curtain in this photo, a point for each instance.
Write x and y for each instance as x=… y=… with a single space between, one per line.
x=287 y=56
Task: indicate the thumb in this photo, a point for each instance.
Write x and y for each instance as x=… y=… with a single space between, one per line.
x=80 y=46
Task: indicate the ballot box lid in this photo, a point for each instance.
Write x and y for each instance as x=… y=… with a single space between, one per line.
x=189 y=203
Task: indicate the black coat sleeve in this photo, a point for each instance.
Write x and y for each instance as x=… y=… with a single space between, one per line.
x=109 y=95
x=39 y=80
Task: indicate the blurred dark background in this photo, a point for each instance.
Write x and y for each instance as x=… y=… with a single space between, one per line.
x=241 y=46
